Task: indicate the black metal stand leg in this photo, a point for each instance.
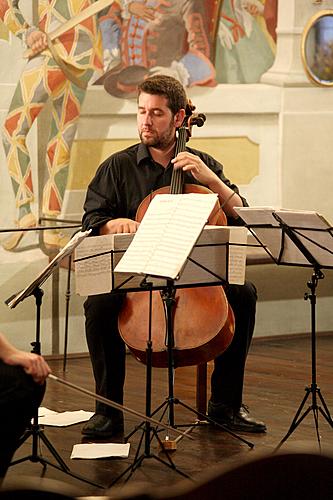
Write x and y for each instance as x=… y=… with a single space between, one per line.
x=68 y=296
x=312 y=390
x=36 y=431
x=138 y=459
x=169 y=301
x=212 y=421
x=148 y=432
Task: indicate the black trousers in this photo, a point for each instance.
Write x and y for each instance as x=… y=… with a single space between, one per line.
x=20 y=398
x=107 y=349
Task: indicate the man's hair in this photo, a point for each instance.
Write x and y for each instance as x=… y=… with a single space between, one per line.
x=168 y=87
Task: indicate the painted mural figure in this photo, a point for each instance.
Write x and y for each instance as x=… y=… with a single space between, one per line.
x=270 y=15
x=244 y=46
x=42 y=79
x=162 y=37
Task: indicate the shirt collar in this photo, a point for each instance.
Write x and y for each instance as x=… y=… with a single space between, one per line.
x=142 y=153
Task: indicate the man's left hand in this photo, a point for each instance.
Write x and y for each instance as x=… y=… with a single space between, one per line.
x=193 y=164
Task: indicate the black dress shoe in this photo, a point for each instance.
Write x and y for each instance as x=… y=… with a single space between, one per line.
x=234 y=420
x=102 y=426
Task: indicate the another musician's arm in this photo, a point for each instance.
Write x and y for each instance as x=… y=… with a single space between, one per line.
x=33 y=364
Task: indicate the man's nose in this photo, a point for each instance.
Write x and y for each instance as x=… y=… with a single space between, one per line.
x=147 y=119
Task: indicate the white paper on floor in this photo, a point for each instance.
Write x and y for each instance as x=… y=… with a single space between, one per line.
x=62 y=419
x=100 y=450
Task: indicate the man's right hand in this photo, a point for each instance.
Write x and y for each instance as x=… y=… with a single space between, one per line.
x=117 y=226
x=37 y=41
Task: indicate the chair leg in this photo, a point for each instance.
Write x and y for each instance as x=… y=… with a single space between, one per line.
x=201 y=394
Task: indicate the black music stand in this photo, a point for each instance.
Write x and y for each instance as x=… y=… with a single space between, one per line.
x=151 y=282
x=298 y=238
x=36 y=430
x=168 y=406
x=148 y=431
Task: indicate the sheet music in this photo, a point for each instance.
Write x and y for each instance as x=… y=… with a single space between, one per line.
x=42 y=277
x=312 y=229
x=237 y=255
x=211 y=252
x=93 y=276
x=317 y=235
x=263 y=216
x=167 y=234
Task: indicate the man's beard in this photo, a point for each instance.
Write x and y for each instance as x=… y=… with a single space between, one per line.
x=157 y=141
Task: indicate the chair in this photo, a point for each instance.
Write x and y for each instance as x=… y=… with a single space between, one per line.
x=201 y=388
x=288 y=476
x=37 y=489
x=255 y=256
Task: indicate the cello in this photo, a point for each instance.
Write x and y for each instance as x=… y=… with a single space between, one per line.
x=202 y=320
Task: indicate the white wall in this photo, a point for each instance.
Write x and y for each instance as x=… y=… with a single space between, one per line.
x=290 y=119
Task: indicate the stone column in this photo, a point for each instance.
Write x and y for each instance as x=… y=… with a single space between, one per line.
x=293 y=15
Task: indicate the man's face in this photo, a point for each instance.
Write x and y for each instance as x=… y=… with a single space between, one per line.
x=156 y=123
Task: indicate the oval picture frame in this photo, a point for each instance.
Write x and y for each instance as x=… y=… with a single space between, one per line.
x=317 y=48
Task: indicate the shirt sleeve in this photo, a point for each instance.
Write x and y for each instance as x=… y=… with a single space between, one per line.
x=217 y=168
x=101 y=200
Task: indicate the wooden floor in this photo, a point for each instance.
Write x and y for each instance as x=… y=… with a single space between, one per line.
x=278 y=370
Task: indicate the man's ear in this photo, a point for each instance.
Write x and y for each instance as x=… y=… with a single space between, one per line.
x=179 y=117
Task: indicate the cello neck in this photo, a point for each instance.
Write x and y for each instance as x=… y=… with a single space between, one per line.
x=177 y=178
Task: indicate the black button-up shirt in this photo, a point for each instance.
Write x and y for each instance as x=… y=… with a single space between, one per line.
x=124 y=179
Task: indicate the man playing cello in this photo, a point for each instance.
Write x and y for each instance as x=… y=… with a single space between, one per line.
x=120 y=184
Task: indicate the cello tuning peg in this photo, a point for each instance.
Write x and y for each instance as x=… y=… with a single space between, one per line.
x=202 y=119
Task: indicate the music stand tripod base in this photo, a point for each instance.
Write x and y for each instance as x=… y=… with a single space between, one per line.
x=168 y=298
x=312 y=390
x=305 y=240
x=36 y=430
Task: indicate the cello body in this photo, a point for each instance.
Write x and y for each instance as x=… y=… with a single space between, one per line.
x=199 y=336
x=203 y=322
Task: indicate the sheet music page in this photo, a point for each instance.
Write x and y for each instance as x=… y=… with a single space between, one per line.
x=309 y=225
x=313 y=231
x=93 y=275
x=42 y=277
x=303 y=218
x=167 y=234
x=213 y=258
x=270 y=236
x=237 y=255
